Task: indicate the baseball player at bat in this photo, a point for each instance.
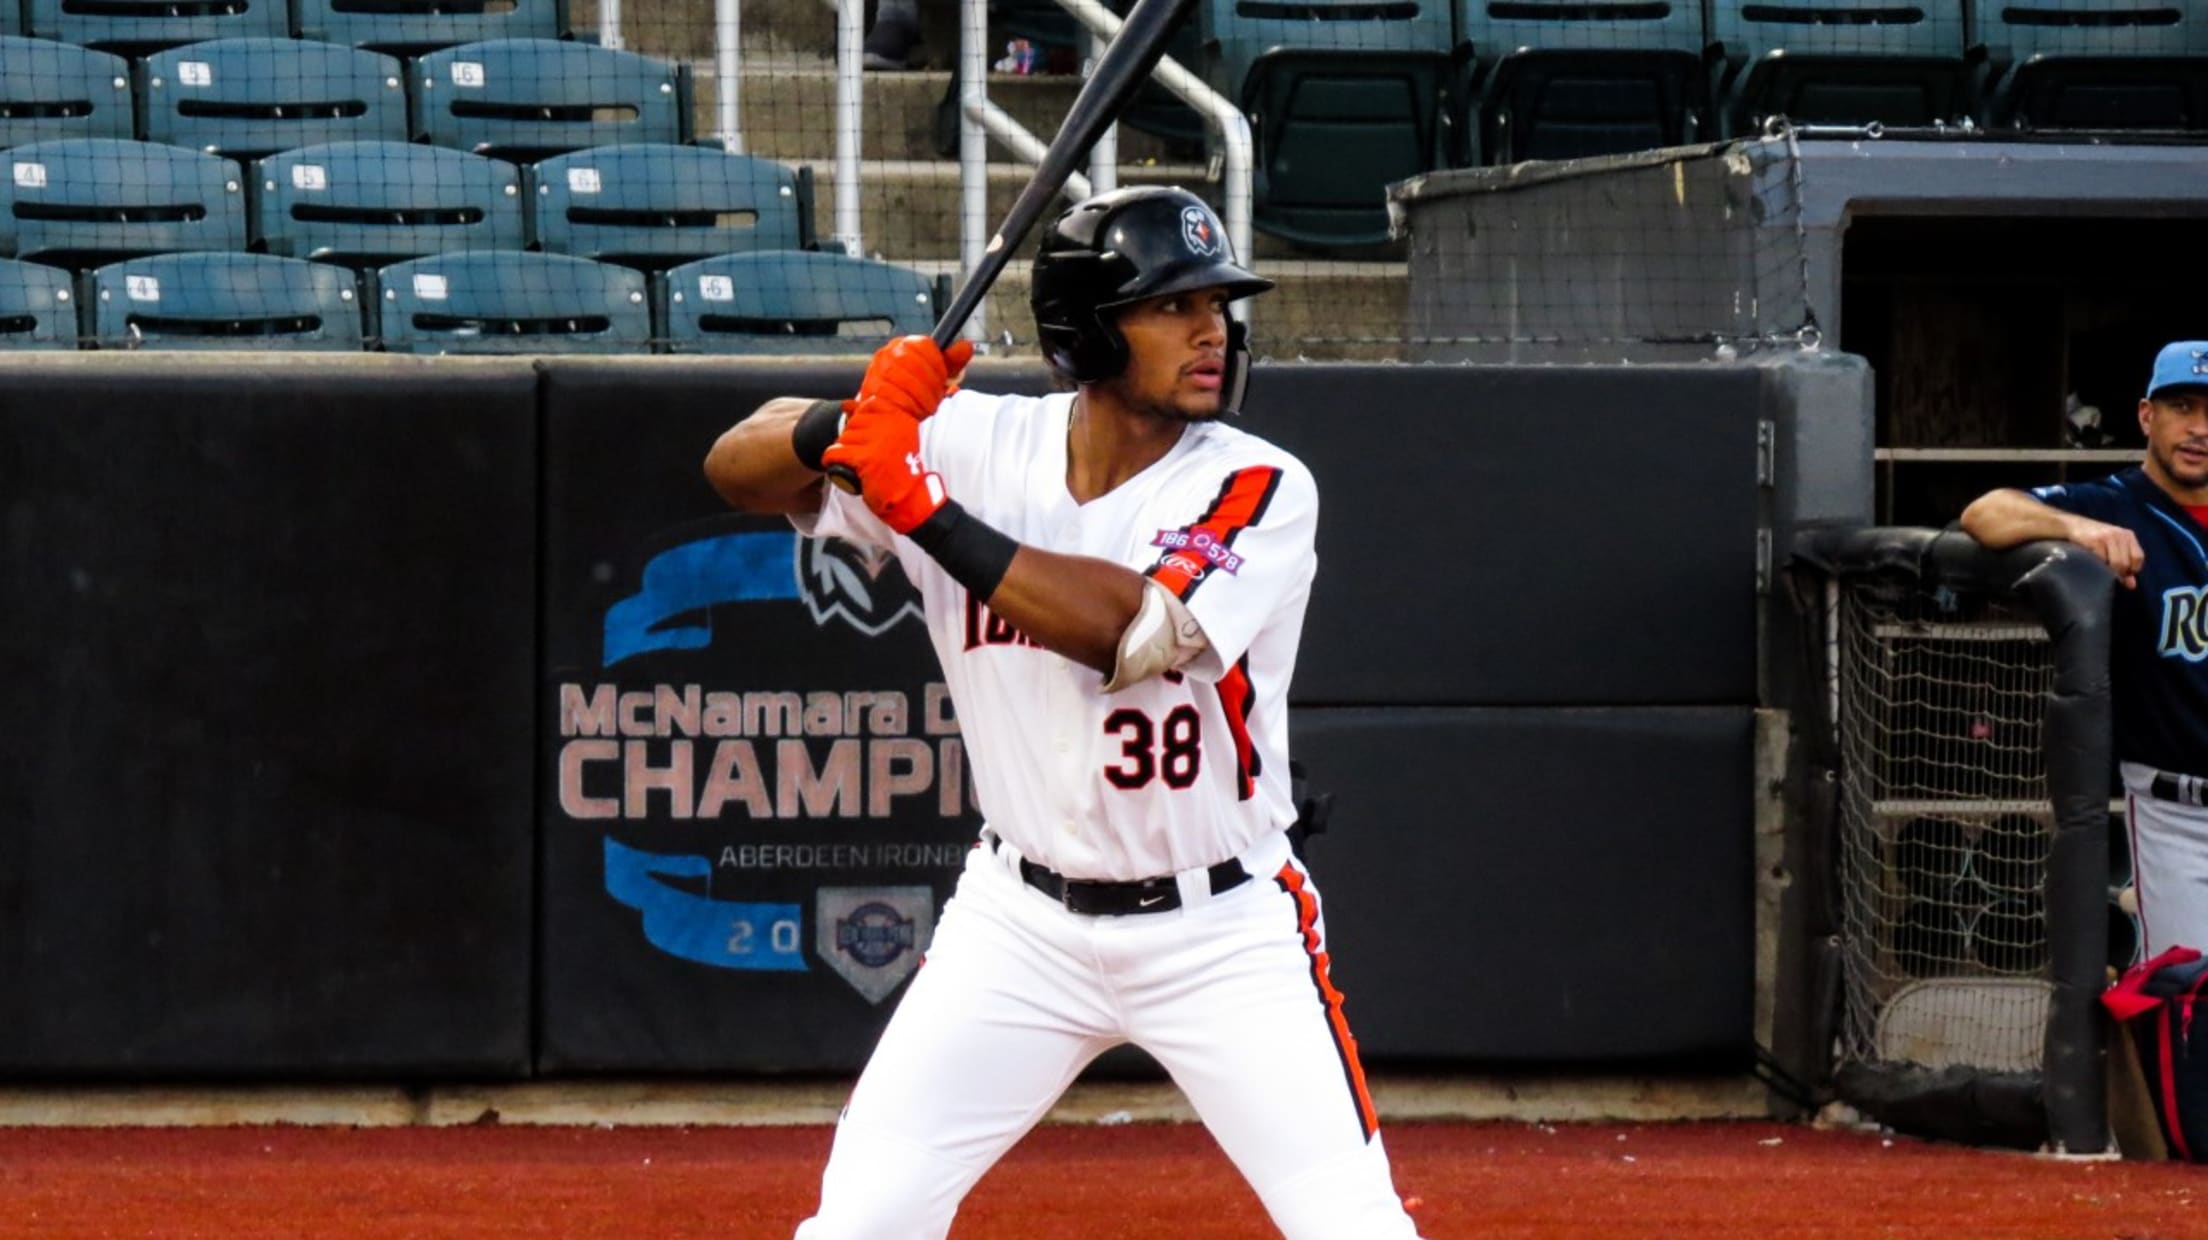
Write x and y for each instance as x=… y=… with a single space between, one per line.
x=2150 y=524
x=1114 y=580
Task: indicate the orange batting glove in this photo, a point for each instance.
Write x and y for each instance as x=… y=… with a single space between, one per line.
x=880 y=446
x=911 y=376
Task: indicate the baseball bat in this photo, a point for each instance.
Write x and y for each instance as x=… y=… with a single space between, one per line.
x=1119 y=72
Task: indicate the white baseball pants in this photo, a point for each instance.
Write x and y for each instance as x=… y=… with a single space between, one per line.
x=2169 y=865
x=1016 y=995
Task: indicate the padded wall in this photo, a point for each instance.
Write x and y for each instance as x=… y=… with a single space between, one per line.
x=1573 y=537
x=1538 y=535
x=295 y=704
x=266 y=808
x=698 y=929
x=1543 y=884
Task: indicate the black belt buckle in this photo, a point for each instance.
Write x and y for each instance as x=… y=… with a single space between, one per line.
x=1107 y=899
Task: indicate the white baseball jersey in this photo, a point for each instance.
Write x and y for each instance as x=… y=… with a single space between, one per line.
x=1175 y=773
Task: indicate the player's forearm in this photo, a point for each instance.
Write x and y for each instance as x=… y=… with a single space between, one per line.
x=754 y=467
x=2005 y=518
x=1072 y=605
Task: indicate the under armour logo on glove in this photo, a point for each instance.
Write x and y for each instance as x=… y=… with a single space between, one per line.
x=881 y=446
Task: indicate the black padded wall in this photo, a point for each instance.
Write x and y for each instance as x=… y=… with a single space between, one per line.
x=1538 y=535
x=1538 y=884
x=265 y=803
x=699 y=912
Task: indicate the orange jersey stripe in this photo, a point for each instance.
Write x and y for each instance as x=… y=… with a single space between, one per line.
x=1291 y=880
x=1236 y=698
x=1240 y=504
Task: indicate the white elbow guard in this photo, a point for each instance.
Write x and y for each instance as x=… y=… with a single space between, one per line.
x=1162 y=636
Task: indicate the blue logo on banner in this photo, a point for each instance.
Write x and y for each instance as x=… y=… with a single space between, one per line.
x=724 y=933
x=733 y=568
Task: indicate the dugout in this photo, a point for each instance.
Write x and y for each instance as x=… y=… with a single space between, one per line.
x=1997 y=285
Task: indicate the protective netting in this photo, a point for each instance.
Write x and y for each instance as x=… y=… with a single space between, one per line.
x=1944 y=831
x=797 y=176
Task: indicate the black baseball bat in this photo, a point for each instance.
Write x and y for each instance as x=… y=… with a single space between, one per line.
x=1122 y=69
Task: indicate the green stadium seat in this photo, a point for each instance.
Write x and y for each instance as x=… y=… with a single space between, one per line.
x=1344 y=97
x=410 y=27
x=134 y=27
x=81 y=201
x=246 y=98
x=655 y=205
x=224 y=301
x=527 y=98
x=791 y=302
x=1841 y=62
x=2096 y=64
x=11 y=18
x=38 y=307
x=58 y=90
x=376 y=203
x=498 y=301
x=1565 y=79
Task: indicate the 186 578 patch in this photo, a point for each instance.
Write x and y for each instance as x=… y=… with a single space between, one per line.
x=873 y=936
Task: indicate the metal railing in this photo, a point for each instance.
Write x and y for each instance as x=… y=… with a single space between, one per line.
x=980 y=120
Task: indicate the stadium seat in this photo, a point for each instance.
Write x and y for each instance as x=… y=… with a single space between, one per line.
x=498 y=301
x=655 y=205
x=134 y=27
x=1841 y=62
x=791 y=302
x=2096 y=64
x=38 y=307
x=376 y=203
x=224 y=301
x=81 y=201
x=410 y=27
x=1344 y=96
x=58 y=90
x=11 y=18
x=1563 y=79
x=527 y=98
x=245 y=98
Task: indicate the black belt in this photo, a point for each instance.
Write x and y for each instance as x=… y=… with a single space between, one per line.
x=1099 y=898
x=2183 y=789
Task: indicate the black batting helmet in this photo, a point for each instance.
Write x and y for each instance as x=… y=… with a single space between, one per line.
x=1119 y=248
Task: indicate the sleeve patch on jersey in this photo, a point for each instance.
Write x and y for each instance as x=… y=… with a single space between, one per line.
x=1200 y=542
x=1240 y=504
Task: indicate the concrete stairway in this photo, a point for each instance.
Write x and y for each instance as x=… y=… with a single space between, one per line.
x=909 y=195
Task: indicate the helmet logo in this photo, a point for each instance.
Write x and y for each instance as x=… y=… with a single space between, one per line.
x=1200 y=233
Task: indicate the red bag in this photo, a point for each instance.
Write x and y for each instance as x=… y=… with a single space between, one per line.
x=2154 y=1004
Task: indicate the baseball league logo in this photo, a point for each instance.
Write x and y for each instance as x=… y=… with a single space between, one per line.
x=865 y=587
x=873 y=936
x=1203 y=240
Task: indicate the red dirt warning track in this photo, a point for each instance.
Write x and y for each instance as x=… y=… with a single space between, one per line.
x=1727 y=1181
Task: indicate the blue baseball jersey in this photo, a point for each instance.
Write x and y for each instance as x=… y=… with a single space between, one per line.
x=2159 y=659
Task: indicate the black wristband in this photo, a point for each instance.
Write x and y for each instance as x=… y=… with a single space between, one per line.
x=972 y=551
x=816 y=432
